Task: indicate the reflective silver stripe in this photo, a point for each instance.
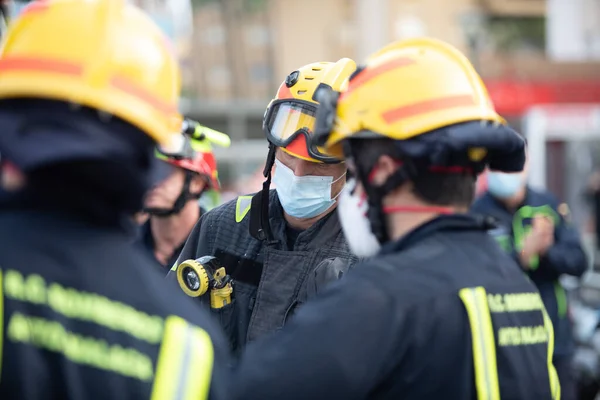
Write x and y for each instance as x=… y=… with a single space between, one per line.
x=483 y=341
x=185 y=364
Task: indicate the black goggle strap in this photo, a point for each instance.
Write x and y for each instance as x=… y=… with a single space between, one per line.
x=260 y=227
x=375 y=194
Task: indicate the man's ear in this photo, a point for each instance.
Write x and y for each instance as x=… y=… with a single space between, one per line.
x=11 y=177
x=197 y=184
x=383 y=169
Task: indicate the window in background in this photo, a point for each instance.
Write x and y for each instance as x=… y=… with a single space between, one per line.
x=214 y=35
x=219 y=77
x=260 y=72
x=258 y=36
x=508 y=33
x=251 y=6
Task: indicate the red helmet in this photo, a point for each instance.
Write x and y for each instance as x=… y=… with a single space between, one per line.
x=192 y=155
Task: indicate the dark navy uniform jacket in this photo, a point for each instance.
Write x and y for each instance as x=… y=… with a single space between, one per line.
x=83 y=315
x=272 y=279
x=566 y=256
x=442 y=313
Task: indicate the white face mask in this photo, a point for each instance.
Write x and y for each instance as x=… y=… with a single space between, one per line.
x=355 y=223
x=303 y=196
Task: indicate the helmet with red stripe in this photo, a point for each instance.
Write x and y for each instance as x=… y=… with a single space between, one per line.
x=290 y=117
x=420 y=103
x=193 y=156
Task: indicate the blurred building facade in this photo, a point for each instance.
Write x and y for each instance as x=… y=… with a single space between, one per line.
x=240 y=51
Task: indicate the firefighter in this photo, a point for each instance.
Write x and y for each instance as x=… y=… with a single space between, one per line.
x=535 y=229
x=439 y=311
x=279 y=246
x=87 y=90
x=172 y=204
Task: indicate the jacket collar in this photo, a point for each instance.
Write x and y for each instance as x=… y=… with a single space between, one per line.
x=454 y=222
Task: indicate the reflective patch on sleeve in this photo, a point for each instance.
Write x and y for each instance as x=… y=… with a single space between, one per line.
x=242 y=207
x=185 y=362
x=484 y=346
x=552 y=375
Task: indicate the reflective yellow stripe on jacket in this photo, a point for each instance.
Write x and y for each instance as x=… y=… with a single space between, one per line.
x=185 y=362
x=554 y=383
x=242 y=207
x=484 y=346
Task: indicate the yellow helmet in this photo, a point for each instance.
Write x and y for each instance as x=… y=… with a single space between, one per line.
x=290 y=117
x=103 y=54
x=409 y=88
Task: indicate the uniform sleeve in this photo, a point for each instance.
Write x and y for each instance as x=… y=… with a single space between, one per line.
x=566 y=256
x=193 y=359
x=222 y=361
x=337 y=346
x=220 y=387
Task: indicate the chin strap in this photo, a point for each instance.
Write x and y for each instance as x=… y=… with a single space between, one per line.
x=181 y=201
x=375 y=195
x=376 y=213
x=407 y=171
x=260 y=227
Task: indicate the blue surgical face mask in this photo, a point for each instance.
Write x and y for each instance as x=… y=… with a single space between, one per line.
x=503 y=185
x=303 y=196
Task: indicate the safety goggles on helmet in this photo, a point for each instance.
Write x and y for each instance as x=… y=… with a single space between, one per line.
x=180 y=148
x=286 y=120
